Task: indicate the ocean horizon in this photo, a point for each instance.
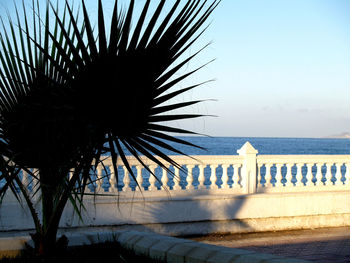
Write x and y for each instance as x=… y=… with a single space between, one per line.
x=224 y=145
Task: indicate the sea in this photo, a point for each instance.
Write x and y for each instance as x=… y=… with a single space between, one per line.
x=230 y=145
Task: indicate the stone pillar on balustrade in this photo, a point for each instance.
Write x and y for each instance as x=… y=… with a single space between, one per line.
x=248 y=170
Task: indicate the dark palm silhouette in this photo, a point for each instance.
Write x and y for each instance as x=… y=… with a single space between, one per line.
x=70 y=94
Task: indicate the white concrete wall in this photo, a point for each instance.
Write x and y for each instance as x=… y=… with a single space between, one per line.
x=207 y=213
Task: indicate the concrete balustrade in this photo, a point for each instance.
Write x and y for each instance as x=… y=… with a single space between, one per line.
x=206 y=194
x=243 y=173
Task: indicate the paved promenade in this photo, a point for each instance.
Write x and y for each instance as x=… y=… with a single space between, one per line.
x=328 y=245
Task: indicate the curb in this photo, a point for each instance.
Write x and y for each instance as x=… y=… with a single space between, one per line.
x=155 y=246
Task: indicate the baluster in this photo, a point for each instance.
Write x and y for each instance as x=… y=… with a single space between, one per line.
x=25 y=180
x=112 y=180
x=338 y=174
x=201 y=178
x=319 y=174
x=347 y=174
x=278 y=176
x=126 y=180
x=299 y=175
x=164 y=178
x=139 y=178
x=35 y=195
x=99 y=179
x=91 y=184
x=190 y=176
x=309 y=174
x=258 y=172
x=168 y=178
x=35 y=181
x=70 y=174
x=289 y=175
x=176 y=179
x=268 y=176
x=184 y=181
x=237 y=176
x=224 y=177
x=328 y=174
x=152 y=178
x=212 y=176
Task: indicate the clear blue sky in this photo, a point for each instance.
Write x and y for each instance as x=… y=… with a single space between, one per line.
x=282 y=68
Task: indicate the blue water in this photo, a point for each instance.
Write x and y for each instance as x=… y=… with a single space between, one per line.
x=230 y=145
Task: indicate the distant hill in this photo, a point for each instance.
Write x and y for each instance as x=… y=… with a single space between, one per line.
x=344 y=135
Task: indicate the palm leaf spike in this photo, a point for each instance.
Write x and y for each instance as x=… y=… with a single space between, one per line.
x=166 y=97
x=46 y=41
x=29 y=202
x=10 y=68
x=101 y=31
x=194 y=28
x=172 y=107
x=8 y=86
x=126 y=29
x=90 y=35
x=29 y=44
x=23 y=48
x=166 y=34
x=17 y=65
x=66 y=49
x=163 y=25
x=53 y=49
x=147 y=34
x=151 y=136
x=39 y=28
x=76 y=33
x=69 y=48
x=55 y=52
x=126 y=162
x=116 y=24
x=35 y=34
x=131 y=148
x=39 y=72
x=7 y=99
x=137 y=31
x=157 y=127
x=75 y=53
x=146 y=149
x=163 y=79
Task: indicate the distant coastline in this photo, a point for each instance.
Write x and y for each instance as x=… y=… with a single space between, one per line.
x=344 y=135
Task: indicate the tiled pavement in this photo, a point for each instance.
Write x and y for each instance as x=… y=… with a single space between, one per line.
x=328 y=245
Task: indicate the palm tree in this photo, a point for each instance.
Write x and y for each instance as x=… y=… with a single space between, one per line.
x=71 y=95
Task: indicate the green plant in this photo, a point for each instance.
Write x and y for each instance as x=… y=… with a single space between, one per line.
x=63 y=87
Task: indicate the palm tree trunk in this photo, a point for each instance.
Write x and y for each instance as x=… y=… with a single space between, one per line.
x=47 y=239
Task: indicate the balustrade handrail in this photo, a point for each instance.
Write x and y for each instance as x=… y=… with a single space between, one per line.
x=245 y=173
x=191 y=160
x=306 y=158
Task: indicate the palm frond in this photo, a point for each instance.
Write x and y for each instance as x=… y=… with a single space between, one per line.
x=70 y=94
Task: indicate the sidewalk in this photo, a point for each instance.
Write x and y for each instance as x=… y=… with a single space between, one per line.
x=328 y=245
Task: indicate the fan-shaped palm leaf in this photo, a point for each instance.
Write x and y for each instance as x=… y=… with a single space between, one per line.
x=129 y=76
x=71 y=94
